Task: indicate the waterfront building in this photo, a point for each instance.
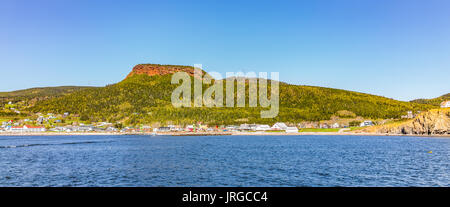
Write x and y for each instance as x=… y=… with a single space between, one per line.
x=163 y=129
x=279 y=126
x=324 y=126
x=366 y=123
x=26 y=128
x=244 y=127
x=190 y=128
x=263 y=128
x=291 y=130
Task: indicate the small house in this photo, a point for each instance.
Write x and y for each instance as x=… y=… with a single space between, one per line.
x=244 y=127
x=409 y=115
x=291 y=130
x=111 y=129
x=231 y=128
x=163 y=129
x=366 y=123
x=279 y=126
x=190 y=128
x=445 y=104
x=324 y=126
x=335 y=125
x=262 y=128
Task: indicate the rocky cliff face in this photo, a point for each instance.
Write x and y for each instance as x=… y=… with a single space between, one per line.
x=155 y=69
x=428 y=123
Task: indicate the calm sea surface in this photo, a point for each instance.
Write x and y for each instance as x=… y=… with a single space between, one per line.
x=224 y=161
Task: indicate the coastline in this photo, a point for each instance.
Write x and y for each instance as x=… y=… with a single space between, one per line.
x=214 y=134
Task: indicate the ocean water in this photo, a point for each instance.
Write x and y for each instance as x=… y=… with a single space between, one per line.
x=224 y=161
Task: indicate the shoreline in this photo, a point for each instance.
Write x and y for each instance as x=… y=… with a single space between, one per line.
x=214 y=134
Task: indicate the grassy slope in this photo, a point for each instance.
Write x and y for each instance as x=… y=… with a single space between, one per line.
x=23 y=99
x=42 y=92
x=434 y=101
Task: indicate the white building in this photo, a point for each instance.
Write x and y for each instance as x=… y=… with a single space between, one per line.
x=173 y=127
x=409 y=115
x=335 y=125
x=445 y=104
x=161 y=129
x=231 y=128
x=111 y=129
x=244 y=127
x=26 y=128
x=262 y=128
x=100 y=124
x=291 y=130
x=40 y=119
x=190 y=128
x=59 y=129
x=366 y=123
x=279 y=126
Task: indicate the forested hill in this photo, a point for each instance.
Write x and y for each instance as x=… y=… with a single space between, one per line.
x=145 y=97
x=434 y=101
x=39 y=93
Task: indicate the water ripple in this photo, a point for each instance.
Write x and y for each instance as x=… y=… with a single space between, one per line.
x=224 y=161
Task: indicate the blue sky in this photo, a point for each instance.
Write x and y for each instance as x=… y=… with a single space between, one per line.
x=398 y=49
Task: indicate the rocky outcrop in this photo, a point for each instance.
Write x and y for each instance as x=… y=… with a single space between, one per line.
x=433 y=122
x=155 y=69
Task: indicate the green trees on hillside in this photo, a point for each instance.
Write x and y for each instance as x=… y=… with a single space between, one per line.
x=434 y=101
x=146 y=99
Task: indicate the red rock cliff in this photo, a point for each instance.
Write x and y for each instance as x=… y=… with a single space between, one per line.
x=155 y=69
